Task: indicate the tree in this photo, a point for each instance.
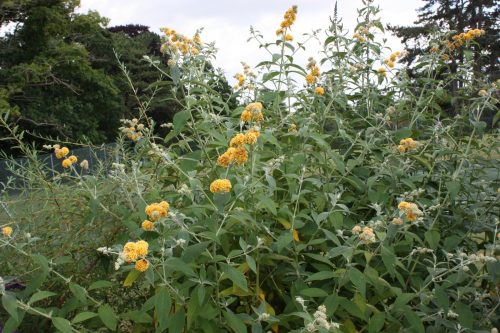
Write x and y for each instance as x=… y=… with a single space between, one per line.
x=47 y=75
x=459 y=16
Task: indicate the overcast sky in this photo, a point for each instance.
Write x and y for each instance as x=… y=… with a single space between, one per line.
x=227 y=22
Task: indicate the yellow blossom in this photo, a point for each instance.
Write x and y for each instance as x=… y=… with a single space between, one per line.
x=61 y=152
x=141 y=247
x=142 y=265
x=410 y=209
x=407 y=145
x=296 y=236
x=220 y=185
x=319 y=91
x=397 y=221
x=356 y=230
x=7 y=231
x=251 y=136
x=293 y=128
x=288 y=37
x=130 y=252
x=367 y=236
x=238 y=140
x=310 y=79
x=73 y=159
x=147 y=225
x=381 y=71
x=66 y=163
x=157 y=210
x=240 y=155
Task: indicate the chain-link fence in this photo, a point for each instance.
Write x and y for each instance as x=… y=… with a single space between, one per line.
x=97 y=157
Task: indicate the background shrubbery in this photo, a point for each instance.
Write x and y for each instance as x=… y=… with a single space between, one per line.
x=362 y=206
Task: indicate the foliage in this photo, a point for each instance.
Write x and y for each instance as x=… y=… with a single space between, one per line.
x=350 y=208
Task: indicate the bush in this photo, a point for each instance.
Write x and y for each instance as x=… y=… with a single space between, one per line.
x=336 y=198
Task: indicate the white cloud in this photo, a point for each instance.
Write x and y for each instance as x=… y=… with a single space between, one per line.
x=227 y=22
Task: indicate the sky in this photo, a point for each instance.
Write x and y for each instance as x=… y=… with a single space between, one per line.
x=227 y=22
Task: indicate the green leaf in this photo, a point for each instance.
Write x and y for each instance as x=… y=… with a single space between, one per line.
x=284 y=239
x=108 y=316
x=177 y=323
x=403 y=299
x=453 y=188
x=432 y=237
x=131 y=277
x=100 y=284
x=376 y=323
x=163 y=304
x=61 y=324
x=267 y=203
x=465 y=316
x=39 y=295
x=358 y=279
x=234 y=275
x=415 y=322
x=9 y=303
x=82 y=316
x=251 y=263
x=180 y=120
x=235 y=322
x=79 y=292
x=313 y=292
x=323 y=275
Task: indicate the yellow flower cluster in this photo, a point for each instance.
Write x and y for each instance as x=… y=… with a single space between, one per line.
x=177 y=42
x=67 y=162
x=132 y=129
x=288 y=37
x=314 y=71
x=366 y=234
x=135 y=250
x=142 y=265
x=410 y=209
x=220 y=186
x=60 y=152
x=407 y=144
x=237 y=151
x=241 y=80
x=147 y=225
x=382 y=71
x=393 y=58
x=252 y=112
x=7 y=231
x=319 y=91
x=397 y=221
x=157 y=210
x=461 y=39
x=293 y=128
x=288 y=20
x=361 y=33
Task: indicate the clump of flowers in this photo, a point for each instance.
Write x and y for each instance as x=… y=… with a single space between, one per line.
x=288 y=20
x=292 y=128
x=134 y=250
x=158 y=210
x=460 y=39
x=406 y=145
x=147 y=225
x=320 y=321
x=220 y=186
x=314 y=71
x=132 y=129
x=177 y=43
x=319 y=91
x=241 y=80
x=393 y=58
x=361 y=33
x=252 y=112
x=397 y=221
x=7 y=231
x=237 y=151
x=60 y=152
x=382 y=71
x=367 y=236
x=410 y=209
x=142 y=265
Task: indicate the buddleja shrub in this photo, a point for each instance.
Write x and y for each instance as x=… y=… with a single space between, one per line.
x=339 y=197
